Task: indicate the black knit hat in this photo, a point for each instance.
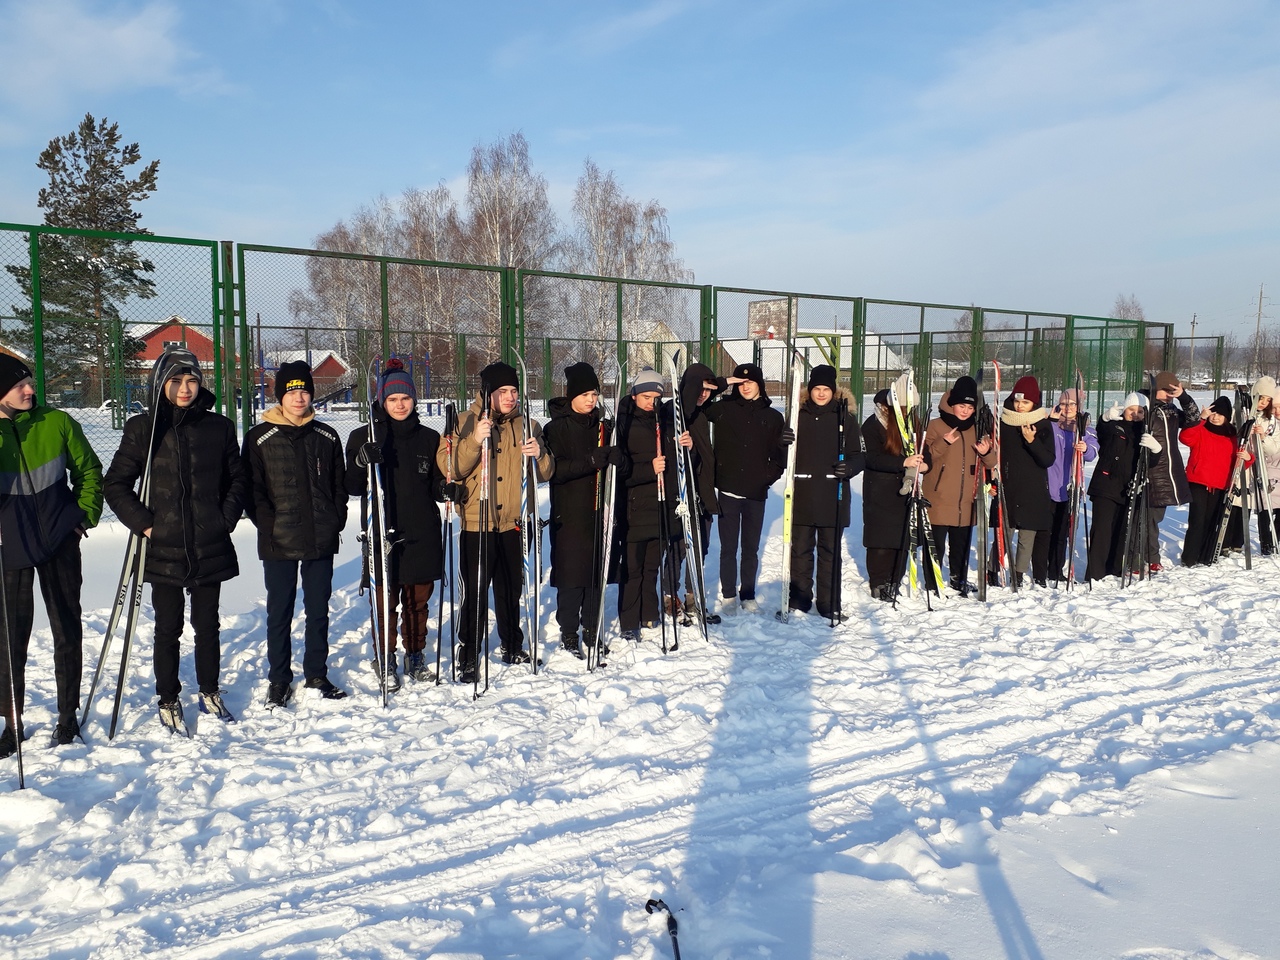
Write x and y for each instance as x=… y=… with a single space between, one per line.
x=395 y=380
x=294 y=375
x=749 y=371
x=965 y=390
x=12 y=372
x=823 y=375
x=580 y=378
x=1223 y=406
x=498 y=375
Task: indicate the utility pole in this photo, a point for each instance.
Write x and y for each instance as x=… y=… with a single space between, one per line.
x=1192 y=362
x=1257 y=338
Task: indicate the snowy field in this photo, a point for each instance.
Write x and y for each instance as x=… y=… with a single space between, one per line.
x=1052 y=775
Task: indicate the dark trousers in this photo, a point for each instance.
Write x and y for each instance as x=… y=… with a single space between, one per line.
x=60 y=581
x=1106 y=540
x=281 y=578
x=575 y=607
x=1049 y=552
x=804 y=539
x=1268 y=529
x=411 y=605
x=638 y=583
x=884 y=566
x=1202 y=517
x=169 y=607
x=504 y=569
x=741 y=522
x=959 y=539
x=688 y=569
x=1155 y=517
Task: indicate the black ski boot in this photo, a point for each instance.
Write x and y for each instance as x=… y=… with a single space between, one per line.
x=569 y=643
x=66 y=731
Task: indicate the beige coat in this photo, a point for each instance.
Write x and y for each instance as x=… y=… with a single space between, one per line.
x=506 y=467
x=949 y=484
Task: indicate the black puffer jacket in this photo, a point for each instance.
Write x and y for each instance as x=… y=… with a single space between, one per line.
x=817 y=449
x=1117 y=459
x=1167 y=474
x=1024 y=467
x=198 y=491
x=299 y=495
x=638 y=518
x=574 y=442
x=412 y=482
x=748 y=445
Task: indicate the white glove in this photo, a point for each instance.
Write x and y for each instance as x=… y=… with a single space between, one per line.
x=1113 y=412
x=1148 y=442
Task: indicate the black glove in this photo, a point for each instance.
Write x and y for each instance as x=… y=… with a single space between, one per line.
x=616 y=456
x=788 y=436
x=368 y=453
x=842 y=469
x=602 y=457
x=453 y=491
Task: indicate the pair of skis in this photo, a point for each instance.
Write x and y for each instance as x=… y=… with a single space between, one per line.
x=1075 y=488
x=918 y=533
x=1244 y=429
x=1137 y=507
x=530 y=526
x=128 y=601
x=379 y=541
x=789 y=484
x=606 y=501
x=447 y=572
x=689 y=510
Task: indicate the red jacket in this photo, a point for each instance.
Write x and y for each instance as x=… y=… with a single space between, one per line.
x=1212 y=456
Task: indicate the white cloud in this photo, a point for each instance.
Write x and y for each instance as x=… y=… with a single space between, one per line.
x=55 y=51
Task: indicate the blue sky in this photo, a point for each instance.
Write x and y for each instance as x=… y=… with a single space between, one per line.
x=1034 y=155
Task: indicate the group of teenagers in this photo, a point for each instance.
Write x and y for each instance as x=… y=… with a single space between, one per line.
x=293 y=478
x=1038 y=454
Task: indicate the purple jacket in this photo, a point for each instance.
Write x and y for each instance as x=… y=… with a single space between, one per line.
x=1060 y=469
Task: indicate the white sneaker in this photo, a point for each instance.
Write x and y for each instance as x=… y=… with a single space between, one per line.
x=728 y=606
x=749 y=606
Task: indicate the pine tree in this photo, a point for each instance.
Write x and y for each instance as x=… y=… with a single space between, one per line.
x=86 y=282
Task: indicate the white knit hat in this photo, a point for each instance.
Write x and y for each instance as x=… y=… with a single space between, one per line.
x=1136 y=400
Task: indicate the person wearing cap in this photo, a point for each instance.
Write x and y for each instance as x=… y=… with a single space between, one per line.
x=750 y=454
x=51 y=481
x=1122 y=436
x=198 y=490
x=405 y=451
x=1049 y=555
x=698 y=387
x=1172 y=411
x=951 y=485
x=638 y=523
x=299 y=505
x=495 y=418
x=1026 y=453
x=580 y=438
x=1212 y=442
x=884 y=504
x=820 y=506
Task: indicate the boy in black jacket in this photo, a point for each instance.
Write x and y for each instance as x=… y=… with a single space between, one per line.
x=299 y=505
x=750 y=442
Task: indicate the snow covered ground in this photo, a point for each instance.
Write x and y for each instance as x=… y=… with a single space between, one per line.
x=1056 y=775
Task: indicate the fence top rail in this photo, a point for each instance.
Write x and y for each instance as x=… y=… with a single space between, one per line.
x=791 y=295
x=523 y=272
x=105 y=234
x=366 y=257
x=928 y=306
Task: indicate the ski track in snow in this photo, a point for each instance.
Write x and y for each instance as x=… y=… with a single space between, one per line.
x=536 y=821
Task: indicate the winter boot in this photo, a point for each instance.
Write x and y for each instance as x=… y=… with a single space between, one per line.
x=278 y=695
x=673 y=607
x=416 y=669
x=8 y=743
x=211 y=703
x=749 y=605
x=466 y=671
x=515 y=657
x=961 y=587
x=728 y=606
x=569 y=643
x=171 y=718
x=67 y=730
x=327 y=690
x=393 y=675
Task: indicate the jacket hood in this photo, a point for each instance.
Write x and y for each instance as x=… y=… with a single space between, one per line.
x=277 y=416
x=560 y=407
x=691 y=385
x=840 y=394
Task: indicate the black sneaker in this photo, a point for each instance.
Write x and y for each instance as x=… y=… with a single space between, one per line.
x=278 y=695
x=466 y=672
x=327 y=690
x=631 y=635
x=512 y=657
x=66 y=731
x=8 y=743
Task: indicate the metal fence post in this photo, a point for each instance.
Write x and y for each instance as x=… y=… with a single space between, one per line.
x=224 y=339
x=37 y=314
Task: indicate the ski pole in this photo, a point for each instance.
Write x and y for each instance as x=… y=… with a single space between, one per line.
x=654 y=906
x=15 y=710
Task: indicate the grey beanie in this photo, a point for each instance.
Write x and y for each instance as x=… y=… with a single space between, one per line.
x=647 y=381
